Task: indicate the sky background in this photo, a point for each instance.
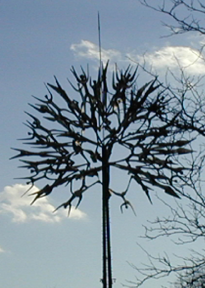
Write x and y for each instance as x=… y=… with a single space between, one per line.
x=40 y=39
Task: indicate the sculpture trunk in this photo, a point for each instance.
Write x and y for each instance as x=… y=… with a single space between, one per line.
x=107 y=269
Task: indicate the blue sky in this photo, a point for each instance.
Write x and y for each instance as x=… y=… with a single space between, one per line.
x=40 y=39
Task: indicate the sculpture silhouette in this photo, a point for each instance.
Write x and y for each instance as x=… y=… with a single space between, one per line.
x=148 y=124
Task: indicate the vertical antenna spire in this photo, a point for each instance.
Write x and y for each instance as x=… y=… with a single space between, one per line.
x=99 y=42
x=101 y=71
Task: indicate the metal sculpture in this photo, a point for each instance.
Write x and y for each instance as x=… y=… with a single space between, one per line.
x=150 y=124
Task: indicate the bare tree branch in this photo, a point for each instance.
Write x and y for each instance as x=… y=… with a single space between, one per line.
x=185 y=13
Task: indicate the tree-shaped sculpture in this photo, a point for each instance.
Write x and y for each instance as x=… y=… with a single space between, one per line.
x=152 y=127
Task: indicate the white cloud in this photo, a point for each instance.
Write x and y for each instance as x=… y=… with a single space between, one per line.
x=1 y=250
x=174 y=57
x=90 y=50
x=12 y=203
x=171 y=57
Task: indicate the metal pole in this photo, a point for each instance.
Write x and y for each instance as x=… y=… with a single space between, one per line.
x=107 y=271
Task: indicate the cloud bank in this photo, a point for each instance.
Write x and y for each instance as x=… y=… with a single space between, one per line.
x=173 y=57
x=1 y=250
x=12 y=203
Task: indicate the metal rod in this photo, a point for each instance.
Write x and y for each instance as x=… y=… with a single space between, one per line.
x=107 y=263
